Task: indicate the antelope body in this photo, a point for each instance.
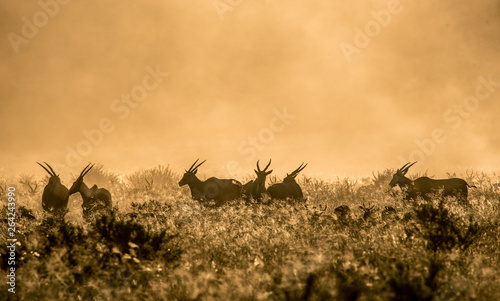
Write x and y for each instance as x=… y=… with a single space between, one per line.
x=220 y=190
x=256 y=188
x=424 y=186
x=368 y=212
x=55 y=195
x=288 y=188
x=94 y=199
x=343 y=212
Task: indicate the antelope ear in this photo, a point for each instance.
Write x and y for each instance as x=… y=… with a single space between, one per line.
x=268 y=172
x=255 y=171
x=361 y=207
x=195 y=171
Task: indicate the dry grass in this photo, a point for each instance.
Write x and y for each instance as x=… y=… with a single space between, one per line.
x=160 y=244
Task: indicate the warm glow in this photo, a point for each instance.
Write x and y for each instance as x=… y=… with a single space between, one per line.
x=295 y=82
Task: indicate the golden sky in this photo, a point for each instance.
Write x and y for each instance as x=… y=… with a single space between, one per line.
x=347 y=86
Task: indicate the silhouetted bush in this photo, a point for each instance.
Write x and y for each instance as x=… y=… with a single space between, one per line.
x=132 y=238
x=442 y=230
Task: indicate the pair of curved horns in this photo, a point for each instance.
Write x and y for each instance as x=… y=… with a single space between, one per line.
x=86 y=170
x=405 y=167
x=265 y=169
x=296 y=172
x=191 y=169
x=52 y=173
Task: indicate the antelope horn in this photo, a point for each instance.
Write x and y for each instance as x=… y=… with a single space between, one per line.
x=258 y=168
x=267 y=166
x=86 y=170
x=405 y=170
x=403 y=167
x=296 y=170
x=301 y=167
x=50 y=168
x=294 y=173
x=191 y=168
x=45 y=169
x=198 y=165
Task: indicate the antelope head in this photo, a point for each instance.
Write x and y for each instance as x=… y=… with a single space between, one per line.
x=399 y=178
x=54 y=178
x=79 y=181
x=291 y=177
x=368 y=211
x=262 y=174
x=190 y=174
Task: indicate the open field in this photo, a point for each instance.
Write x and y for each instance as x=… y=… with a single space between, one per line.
x=161 y=244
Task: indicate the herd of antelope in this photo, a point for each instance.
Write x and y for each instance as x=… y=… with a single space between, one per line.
x=98 y=200
x=55 y=195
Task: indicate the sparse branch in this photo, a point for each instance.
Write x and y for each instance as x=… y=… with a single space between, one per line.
x=28 y=182
x=149 y=183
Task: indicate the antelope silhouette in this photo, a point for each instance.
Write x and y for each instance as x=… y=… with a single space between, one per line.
x=288 y=188
x=424 y=186
x=95 y=199
x=220 y=190
x=255 y=188
x=389 y=212
x=368 y=211
x=343 y=213
x=55 y=195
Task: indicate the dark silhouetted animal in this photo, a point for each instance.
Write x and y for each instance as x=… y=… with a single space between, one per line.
x=55 y=195
x=220 y=190
x=368 y=211
x=316 y=213
x=95 y=200
x=343 y=213
x=389 y=212
x=256 y=188
x=288 y=189
x=424 y=186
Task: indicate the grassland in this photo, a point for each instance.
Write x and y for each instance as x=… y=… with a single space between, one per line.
x=161 y=245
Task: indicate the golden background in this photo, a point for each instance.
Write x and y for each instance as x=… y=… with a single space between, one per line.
x=228 y=74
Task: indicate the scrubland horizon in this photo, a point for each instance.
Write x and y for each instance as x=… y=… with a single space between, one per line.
x=348 y=88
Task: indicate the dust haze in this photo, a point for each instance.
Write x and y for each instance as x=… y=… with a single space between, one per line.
x=258 y=80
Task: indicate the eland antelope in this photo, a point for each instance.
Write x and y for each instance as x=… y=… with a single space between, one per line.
x=424 y=186
x=288 y=188
x=343 y=212
x=95 y=199
x=55 y=195
x=255 y=188
x=220 y=190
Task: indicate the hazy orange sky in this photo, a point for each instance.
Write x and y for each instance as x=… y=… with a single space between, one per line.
x=347 y=86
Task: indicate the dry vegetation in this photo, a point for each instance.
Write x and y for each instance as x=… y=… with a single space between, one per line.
x=160 y=244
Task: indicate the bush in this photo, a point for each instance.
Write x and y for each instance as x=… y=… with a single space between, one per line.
x=442 y=230
x=160 y=244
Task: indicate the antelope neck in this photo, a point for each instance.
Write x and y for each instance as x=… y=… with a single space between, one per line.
x=196 y=183
x=84 y=190
x=406 y=182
